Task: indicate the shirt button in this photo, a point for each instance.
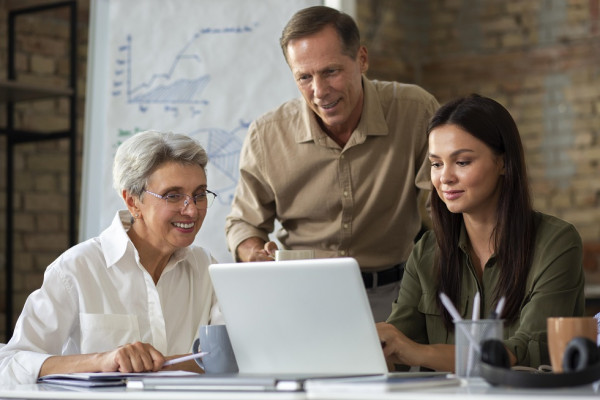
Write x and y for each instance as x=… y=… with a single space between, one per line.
x=345 y=193
x=342 y=157
x=342 y=253
x=345 y=226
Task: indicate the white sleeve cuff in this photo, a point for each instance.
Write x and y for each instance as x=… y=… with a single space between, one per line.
x=21 y=367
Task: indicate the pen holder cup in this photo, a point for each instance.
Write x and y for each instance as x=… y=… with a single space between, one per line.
x=469 y=336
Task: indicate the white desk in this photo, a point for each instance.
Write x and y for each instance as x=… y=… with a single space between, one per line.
x=121 y=393
x=474 y=390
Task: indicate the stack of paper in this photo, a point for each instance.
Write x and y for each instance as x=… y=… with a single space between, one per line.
x=104 y=379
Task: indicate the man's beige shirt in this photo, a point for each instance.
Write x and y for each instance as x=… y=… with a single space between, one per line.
x=359 y=201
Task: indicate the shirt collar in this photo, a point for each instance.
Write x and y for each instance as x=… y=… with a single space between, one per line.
x=464 y=243
x=114 y=239
x=372 y=121
x=463 y=239
x=116 y=243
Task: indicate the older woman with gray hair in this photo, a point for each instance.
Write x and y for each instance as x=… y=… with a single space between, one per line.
x=133 y=297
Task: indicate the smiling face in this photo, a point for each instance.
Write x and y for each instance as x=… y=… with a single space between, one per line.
x=329 y=80
x=164 y=228
x=465 y=172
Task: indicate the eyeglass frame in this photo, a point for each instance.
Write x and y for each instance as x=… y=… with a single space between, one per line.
x=186 y=202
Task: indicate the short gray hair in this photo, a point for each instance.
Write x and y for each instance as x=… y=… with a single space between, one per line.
x=140 y=155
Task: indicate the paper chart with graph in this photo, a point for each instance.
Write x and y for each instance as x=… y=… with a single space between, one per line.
x=200 y=67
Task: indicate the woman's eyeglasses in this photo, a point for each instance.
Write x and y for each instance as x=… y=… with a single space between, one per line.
x=179 y=201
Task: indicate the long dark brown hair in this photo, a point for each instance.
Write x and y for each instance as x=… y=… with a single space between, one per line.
x=514 y=234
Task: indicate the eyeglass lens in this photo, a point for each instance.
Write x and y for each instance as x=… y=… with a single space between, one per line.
x=183 y=200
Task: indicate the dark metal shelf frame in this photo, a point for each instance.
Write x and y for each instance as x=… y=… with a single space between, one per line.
x=11 y=92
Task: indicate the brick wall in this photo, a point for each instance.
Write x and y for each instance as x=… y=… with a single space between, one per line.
x=540 y=58
x=41 y=176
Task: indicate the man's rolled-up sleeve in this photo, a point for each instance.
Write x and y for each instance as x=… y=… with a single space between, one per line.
x=253 y=208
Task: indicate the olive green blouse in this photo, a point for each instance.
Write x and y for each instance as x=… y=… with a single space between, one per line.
x=554 y=288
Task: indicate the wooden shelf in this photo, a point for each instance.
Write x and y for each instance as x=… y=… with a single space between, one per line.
x=16 y=91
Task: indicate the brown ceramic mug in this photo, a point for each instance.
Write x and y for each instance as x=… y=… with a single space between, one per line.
x=560 y=332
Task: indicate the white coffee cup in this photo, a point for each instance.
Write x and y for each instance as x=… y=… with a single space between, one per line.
x=281 y=255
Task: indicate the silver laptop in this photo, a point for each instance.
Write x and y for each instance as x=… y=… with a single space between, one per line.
x=298 y=317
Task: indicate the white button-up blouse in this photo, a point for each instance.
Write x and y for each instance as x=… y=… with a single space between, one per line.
x=97 y=296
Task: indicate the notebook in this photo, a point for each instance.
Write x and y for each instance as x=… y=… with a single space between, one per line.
x=361 y=387
x=299 y=317
x=107 y=379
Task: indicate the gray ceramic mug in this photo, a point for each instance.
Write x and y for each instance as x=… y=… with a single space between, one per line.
x=214 y=340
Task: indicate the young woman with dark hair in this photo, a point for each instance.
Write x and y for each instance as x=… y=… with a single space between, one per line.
x=486 y=238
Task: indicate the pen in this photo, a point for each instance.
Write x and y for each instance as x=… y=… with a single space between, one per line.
x=456 y=317
x=499 y=307
x=474 y=317
x=476 y=303
x=185 y=358
x=450 y=307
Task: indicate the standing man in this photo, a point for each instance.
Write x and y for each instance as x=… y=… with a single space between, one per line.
x=341 y=169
